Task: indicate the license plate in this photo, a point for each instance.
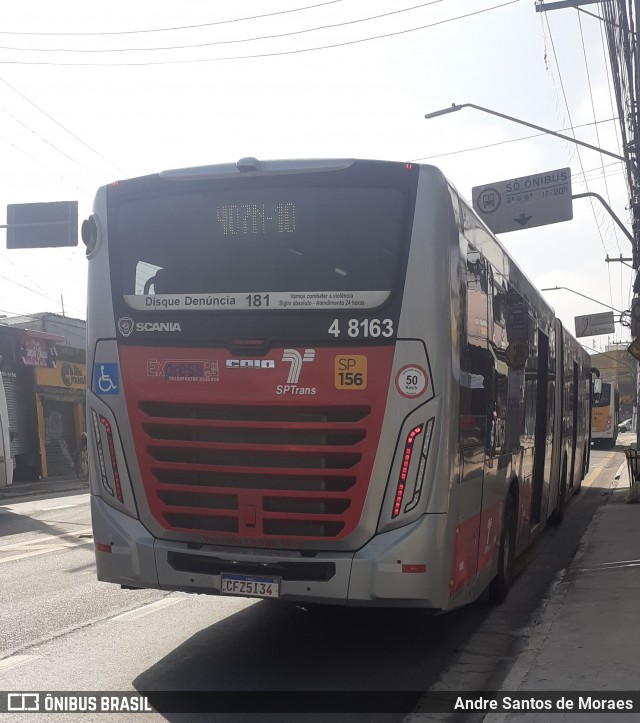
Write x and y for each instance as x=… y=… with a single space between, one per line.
x=249 y=585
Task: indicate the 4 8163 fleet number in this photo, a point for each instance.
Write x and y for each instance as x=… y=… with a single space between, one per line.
x=363 y=328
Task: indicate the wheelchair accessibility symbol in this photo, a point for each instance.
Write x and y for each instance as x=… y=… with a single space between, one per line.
x=106 y=379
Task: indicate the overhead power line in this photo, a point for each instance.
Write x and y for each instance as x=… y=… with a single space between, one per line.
x=14 y=314
x=60 y=125
x=212 y=43
x=593 y=109
x=566 y=102
x=260 y=55
x=170 y=29
x=30 y=289
x=48 y=168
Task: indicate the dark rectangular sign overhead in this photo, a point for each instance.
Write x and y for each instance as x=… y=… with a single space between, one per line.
x=595 y=324
x=42 y=225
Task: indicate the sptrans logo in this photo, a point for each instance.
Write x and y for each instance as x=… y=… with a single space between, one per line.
x=296 y=360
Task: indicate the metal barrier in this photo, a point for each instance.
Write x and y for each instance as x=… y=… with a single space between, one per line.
x=633 y=465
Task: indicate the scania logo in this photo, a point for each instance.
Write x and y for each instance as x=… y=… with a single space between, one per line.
x=125 y=325
x=250 y=364
x=158 y=326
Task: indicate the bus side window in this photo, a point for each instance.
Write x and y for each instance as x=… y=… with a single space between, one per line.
x=517 y=356
x=476 y=362
x=499 y=305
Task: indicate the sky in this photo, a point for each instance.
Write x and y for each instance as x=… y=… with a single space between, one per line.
x=94 y=92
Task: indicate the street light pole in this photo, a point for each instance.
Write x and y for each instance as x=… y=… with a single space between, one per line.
x=456 y=107
x=635 y=204
x=584 y=296
x=459 y=106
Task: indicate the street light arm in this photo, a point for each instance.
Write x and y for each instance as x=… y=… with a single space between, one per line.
x=584 y=296
x=455 y=107
x=542 y=7
x=445 y=111
x=611 y=213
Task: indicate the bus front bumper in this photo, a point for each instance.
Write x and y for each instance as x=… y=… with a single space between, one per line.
x=393 y=569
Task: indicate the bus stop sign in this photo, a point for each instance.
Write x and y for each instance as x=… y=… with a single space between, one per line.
x=525 y=202
x=595 y=324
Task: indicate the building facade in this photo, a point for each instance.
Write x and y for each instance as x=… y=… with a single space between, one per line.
x=42 y=362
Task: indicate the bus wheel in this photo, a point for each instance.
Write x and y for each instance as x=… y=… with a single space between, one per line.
x=585 y=472
x=499 y=587
x=558 y=514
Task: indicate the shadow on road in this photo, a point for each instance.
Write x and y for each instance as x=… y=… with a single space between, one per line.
x=17 y=515
x=279 y=647
x=334 y=651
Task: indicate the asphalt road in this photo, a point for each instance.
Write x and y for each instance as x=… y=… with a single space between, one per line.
x=62 y=630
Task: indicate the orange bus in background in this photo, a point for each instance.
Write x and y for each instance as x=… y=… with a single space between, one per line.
x=605 y=416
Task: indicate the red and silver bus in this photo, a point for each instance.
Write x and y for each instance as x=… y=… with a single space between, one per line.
x=605 y=416
x=322 y=381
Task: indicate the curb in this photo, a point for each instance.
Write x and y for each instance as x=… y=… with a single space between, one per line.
x=42 y=488
x=541 y=633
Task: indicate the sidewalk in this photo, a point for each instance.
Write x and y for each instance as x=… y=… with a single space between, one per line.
x=589 y=636
x=51 y=485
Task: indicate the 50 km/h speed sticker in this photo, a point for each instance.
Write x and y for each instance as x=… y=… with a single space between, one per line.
x=351 y=371
x=412 y=380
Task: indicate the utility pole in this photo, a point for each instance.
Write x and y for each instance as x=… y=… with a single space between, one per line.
x=624 y=57
x=636 y=218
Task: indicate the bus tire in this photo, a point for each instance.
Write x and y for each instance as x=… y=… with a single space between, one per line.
x=585 y=472
x=501 y=583
x=558 y=514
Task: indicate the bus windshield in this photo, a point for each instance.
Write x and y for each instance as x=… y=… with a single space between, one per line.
x=236 y=237
x=605 y=396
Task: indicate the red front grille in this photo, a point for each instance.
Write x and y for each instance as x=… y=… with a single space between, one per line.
x=299 y=464
x=261 y=471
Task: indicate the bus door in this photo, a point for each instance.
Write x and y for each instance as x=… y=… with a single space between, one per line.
x=540 y=490
x=574 y=426
x=6 y=460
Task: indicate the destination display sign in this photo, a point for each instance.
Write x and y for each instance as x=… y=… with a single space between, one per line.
x=525 y=202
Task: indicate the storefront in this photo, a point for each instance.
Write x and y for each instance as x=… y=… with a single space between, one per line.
x=44 y=380
x=60 y=400
x=21 y=352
